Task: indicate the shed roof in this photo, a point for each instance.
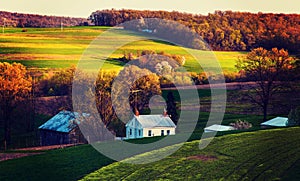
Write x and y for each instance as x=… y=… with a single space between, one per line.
x=62 y=122
x=277 y=122
x=218 y=127
x=151 y=121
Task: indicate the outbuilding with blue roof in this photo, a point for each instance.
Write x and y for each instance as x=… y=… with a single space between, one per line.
x=61 y=129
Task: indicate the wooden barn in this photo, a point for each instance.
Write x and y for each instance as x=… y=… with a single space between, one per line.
x=61 y=129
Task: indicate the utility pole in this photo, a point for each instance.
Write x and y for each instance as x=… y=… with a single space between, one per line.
x=34 y=74
x=135 y=91
x=61 y=25
x=3 y=26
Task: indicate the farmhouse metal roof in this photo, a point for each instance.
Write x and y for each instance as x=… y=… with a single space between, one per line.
x=62 y=122
x=151 y=121
x=217 y=127
x=277 y=122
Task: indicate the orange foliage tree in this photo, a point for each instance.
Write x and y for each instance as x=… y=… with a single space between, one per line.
x=15 y=85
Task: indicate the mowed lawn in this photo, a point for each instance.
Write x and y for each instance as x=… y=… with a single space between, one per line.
x=262 y=155
x=53 y=48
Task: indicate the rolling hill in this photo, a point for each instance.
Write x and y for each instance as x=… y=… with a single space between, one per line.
x=262 y=155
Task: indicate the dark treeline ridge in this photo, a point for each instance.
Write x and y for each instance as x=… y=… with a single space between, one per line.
x=39 y=21
x=222 y=30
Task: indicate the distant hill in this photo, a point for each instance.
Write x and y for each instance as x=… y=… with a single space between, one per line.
x=33 y=20
x=222 y=30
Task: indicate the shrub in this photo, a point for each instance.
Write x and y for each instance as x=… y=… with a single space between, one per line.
x=240 y=124
x=200 y=78
x=148 y=52
x=231 y=76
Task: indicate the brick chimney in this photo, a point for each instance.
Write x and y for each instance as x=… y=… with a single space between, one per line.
x=136 y=112
x=165 y=113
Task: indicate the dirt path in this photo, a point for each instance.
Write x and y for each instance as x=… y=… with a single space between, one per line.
x=9 y=156
x=228 y=86
x=43 y=148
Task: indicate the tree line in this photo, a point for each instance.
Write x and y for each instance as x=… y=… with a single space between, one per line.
x=222 y=30
x=39 y=21
x=274 y=71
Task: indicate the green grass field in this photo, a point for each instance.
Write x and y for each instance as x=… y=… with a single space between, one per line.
x=61 y=164
x=270 y=154
x=262 y=155
x=76 y=162
x=53 y=48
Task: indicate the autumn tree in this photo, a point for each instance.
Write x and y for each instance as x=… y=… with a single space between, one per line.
x=136 y=86
x=222 y=30
x=103 y=96
x=269 y=69
x=61 y=82
x=15 y=85
x=112 y=92
x=92 y=97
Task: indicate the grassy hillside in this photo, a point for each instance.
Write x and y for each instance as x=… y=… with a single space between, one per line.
x=262 y=155
x=62 y=164
x=76 y=162
x=53 y=48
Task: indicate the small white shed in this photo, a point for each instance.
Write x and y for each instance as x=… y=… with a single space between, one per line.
x=217 y=127
x=141 y=126
x=276 y=122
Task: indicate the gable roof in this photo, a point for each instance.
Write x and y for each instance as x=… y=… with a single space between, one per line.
x=62 y=122
x=218 y=127
x=277 y=122
x=152 y=121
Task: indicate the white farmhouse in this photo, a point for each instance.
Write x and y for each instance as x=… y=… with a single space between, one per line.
x=141 y=126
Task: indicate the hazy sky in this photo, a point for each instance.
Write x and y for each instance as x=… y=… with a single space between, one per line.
x=83 y=8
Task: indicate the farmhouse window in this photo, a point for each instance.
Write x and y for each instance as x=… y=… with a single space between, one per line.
x=130 y=132
x=168 y=132
x=149 y=133
x=162 y=132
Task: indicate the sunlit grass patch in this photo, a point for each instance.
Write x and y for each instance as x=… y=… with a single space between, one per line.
x=42 y=45
x=52 y=44
x=39 y=57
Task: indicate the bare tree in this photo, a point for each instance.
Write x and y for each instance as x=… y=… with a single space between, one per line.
x=269 y=69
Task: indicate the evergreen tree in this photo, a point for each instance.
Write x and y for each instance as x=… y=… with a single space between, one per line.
x=171 y=107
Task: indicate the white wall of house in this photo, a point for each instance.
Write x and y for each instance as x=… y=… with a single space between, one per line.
x=157 y=131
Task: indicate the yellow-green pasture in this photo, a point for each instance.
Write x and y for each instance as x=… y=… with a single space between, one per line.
x=56 y=48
